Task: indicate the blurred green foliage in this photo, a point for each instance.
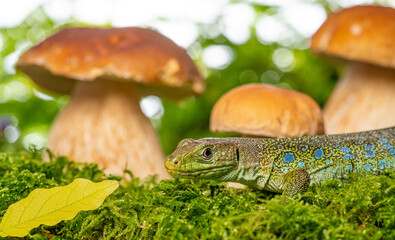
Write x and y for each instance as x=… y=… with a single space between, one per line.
x=25 y=108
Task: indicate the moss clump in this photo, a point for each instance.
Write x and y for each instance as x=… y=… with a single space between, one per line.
x=362 y=207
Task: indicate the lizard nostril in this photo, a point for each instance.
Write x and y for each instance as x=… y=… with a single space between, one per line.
x=176 y=162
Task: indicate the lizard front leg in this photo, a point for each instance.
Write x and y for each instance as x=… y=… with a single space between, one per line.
x=295 y=181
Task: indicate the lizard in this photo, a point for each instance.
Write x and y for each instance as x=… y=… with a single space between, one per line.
x=284 y=165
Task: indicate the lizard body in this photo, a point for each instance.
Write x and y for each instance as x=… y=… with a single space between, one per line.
x=283 y=164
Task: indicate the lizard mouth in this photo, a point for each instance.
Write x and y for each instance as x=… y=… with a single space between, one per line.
x=198 y=173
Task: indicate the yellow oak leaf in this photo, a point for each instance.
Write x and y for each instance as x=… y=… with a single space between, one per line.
x=50 y=206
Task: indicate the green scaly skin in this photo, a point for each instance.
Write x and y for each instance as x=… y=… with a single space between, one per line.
x=287 y=165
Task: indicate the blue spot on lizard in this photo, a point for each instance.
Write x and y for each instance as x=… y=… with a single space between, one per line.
x=367 y=166
x=368 y=147
x=382 y=163
x=383 y=140
x=318 y=153
x=370 y=154
x=289 y=157
x=345 y=149
x=387 y=146
x=348 y=156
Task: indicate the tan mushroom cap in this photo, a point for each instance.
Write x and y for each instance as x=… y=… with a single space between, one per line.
x=266 y=110
x=362 y=33
x=122 y=54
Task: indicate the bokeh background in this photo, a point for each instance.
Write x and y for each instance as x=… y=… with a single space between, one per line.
x=232 y=42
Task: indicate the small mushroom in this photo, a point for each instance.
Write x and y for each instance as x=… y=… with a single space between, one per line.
x=106 y=71
x=261 y=110
x=364 y=97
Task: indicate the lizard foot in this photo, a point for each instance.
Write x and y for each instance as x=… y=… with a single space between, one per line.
x=295 y=181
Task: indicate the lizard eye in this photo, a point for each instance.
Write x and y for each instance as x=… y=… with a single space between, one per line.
x=208 y=153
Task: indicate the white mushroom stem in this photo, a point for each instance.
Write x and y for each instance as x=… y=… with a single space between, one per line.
x=103 y=124
x=363 y=99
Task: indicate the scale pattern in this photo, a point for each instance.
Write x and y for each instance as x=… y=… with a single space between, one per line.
x=267 y=163
x=335 y=156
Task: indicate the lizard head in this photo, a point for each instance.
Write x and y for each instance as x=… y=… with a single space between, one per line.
x=207 y=158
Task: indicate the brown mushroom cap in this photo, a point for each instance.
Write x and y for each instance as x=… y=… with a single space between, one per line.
x=122 y=54
x=266 y=110
x=361 y=33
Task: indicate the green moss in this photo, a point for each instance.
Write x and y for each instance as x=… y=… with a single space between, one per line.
x=361 y=207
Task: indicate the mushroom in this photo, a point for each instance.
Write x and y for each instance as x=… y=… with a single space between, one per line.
x=364 y=97
x=106 y=71
x=262 y=110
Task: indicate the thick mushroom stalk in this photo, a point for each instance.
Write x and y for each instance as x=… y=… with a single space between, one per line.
x=363 y=99
x=363 y=36
x=103 y=124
